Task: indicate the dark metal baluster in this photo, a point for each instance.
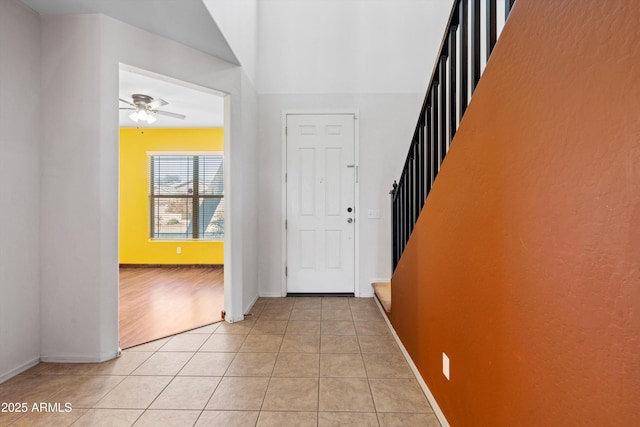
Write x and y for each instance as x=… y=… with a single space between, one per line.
x=412 y=186
x=418 y=175
x=403 y=232
x=399 y=216
x=403 y=216
x=397 y=227
x=429 y=145
x=410 y=200
x=405 y=210
x=425 y=139
x=464 y=56
x=492 y=19
x=453 y=71
x=420 y=172
x=405 y=219
x=427 y=150
x=475 y=44
x=442 y=68
x=394 y=234
x=434 y=126
x=407 y=203
x=414 y=181
x=421 y=186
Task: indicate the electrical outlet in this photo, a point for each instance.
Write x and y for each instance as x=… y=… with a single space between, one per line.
x=178 y=250
x=445 y=365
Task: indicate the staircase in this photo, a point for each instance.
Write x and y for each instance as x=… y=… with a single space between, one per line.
x=465 y=49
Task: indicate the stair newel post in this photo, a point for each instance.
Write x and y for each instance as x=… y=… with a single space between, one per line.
x=394 y=231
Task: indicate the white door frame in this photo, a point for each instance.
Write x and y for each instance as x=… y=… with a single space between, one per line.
x=234 y=311
x=283 y=185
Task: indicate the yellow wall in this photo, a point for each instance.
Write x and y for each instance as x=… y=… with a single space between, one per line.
x=135 y=245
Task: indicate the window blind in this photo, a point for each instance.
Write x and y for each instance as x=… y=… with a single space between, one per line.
x=186 y=196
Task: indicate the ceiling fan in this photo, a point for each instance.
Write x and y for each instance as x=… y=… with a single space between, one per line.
x=145 y=107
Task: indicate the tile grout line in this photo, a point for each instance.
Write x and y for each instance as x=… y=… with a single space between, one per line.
x=264 y=397
x=319 y=359
x=93 y=407
x=176 y=376
x=375 y=409
x=353 y=308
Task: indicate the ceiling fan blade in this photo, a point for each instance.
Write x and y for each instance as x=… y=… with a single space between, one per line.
x=127 y=108
x=127 y=102
x=156 y=103
x=167 y=113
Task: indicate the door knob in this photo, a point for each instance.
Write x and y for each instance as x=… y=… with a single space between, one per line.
x=349 y=220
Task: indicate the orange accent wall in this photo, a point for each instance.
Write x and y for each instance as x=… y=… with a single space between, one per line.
x=524 y=266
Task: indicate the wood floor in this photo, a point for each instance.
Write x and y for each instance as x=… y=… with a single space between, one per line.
x=163 y=301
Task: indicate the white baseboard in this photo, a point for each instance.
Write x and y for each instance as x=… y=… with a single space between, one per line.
x=271 y=295
x=251 y=304
x=432 y=400
x=19 y=369
x=79 y=358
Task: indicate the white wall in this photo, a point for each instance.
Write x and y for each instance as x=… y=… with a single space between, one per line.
x=75 y=205
x=80 y=171
x=251 y=209
x=238 y=22
x=349 y=46
x=19 y=188
x=386 y=124
x=375 y=56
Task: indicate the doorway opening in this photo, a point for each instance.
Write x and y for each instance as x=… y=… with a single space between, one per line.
x=171 y=206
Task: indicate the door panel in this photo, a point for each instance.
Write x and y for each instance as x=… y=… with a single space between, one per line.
x=320 y=189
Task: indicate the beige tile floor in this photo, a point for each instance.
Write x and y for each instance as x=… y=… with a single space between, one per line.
x=293 y=362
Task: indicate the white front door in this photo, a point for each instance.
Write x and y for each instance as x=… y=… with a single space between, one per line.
x=320 y=203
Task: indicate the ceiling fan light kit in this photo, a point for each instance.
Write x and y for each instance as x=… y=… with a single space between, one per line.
x=145 y=108
x=142 y=115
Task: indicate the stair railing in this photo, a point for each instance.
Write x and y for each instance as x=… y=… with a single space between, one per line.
x=469 y=39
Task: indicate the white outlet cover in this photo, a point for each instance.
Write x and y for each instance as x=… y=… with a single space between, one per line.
x=445 y=365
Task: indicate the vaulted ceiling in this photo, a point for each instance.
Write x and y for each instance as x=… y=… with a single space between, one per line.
x=186 y=21
x=294 y=46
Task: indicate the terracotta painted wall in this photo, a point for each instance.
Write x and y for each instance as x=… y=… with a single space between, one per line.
x=524 y=266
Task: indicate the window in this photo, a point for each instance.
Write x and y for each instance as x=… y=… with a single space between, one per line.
x=186 y=196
